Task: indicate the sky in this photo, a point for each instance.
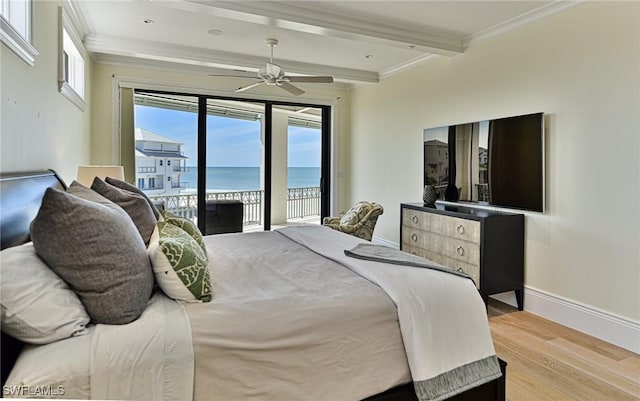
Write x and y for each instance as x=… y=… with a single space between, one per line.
x=230 y=142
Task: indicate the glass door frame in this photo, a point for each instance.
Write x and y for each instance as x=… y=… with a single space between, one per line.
x=325 y=168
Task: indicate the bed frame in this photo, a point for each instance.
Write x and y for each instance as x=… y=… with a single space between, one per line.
x=20 y=198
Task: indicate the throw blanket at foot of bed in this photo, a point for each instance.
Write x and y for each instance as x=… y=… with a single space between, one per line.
x=442 y=317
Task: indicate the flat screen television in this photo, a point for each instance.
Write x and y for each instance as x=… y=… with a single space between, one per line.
x=496 y=162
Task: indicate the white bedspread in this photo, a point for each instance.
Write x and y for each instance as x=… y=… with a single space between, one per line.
x=442 y=317
x=287 y=324
x=148 y=359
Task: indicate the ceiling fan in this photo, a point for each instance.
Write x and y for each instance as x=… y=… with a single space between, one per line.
x=273 y=74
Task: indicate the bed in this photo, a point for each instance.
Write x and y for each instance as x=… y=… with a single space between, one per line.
x=318 y=325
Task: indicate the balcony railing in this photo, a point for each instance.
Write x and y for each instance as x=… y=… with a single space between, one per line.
x=180 y=169
x=151 y=188
x=301 y=203
x=146 y=170
x=181 y=184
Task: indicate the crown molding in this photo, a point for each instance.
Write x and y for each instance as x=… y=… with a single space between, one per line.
x=74 y=11
x=408 y=65
x=514 y=23
x=519 y=21
x=217 y=59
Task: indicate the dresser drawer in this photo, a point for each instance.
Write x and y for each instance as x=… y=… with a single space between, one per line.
x=472 y=270
x=416 y=218
x=452 y=248
x=467 y=230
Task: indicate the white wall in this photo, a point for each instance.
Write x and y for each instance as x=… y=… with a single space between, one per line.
x=582 y=68
x=41 y=128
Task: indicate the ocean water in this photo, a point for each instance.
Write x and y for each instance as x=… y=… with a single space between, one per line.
x=248 y=178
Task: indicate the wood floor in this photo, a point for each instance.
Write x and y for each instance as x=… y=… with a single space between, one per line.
x=547 y=361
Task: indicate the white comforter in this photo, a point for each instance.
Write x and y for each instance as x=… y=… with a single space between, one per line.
x=442 y=317
x=286 y=324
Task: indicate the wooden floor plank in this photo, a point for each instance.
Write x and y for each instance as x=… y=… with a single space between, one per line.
x=614 y=372
x=548 y=330
x=548 y=361
x=588 y=380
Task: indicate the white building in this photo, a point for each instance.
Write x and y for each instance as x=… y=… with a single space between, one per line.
x=159 y=163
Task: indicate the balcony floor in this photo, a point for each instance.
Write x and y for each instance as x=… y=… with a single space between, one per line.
x=303 y=220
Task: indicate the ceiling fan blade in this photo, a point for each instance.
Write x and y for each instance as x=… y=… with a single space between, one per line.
x=312 y=79
x=294 y=90
x=234 y=76
x=246 y=88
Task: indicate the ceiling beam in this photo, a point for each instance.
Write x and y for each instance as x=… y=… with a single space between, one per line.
x=302 y=17
x=194 y=56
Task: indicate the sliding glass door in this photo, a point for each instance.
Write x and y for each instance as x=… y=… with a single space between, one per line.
x=233 y=165
x=296 y=165
x=234 y=168
x=166 y=151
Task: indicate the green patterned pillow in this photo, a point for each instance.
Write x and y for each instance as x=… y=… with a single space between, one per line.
x=187 y=225
x=180 y=264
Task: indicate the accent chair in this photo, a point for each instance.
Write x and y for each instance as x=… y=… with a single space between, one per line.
x=358 y=221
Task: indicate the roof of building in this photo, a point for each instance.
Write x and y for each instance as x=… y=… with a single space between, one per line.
x=159 y=153
x=146 y=135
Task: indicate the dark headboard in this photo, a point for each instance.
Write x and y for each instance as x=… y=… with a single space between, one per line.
x=20 y=198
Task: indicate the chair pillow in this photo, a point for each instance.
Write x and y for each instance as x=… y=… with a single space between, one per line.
x=187 y=225
x=36 y=305
x=98 y=251
x=351 y=216
x=134 y=204
x=179 y=263
x=132 y=188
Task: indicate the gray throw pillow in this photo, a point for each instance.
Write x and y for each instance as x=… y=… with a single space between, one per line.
x=132 y=188
x=97 y=250
x=135 y=205
x=89 y=194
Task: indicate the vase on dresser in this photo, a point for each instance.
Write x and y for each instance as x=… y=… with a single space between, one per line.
x=429 y=195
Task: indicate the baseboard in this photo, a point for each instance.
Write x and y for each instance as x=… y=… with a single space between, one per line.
x=595 y=322
x=382 y=241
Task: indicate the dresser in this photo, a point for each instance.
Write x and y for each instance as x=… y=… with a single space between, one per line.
x=487 y=245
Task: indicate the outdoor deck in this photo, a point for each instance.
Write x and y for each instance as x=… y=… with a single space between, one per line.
x=303 y=206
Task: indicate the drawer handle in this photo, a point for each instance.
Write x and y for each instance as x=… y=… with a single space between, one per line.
x=460 y=251
x=414 y=237
x=460 y=229
x=415 y=219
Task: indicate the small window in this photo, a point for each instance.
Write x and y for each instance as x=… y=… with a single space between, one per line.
x=15 y=28
x=168 y=178
x=161 y=162
x=71 y=62
x=168 y=162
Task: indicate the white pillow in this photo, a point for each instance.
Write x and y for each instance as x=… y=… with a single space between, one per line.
x=179 y=263
x=36 y=305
